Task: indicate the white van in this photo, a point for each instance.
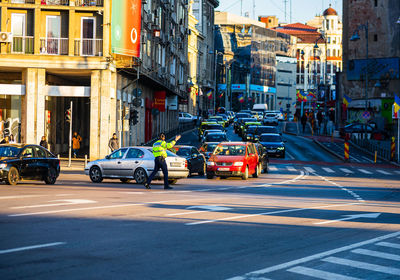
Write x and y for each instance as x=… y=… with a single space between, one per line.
x=260 y=107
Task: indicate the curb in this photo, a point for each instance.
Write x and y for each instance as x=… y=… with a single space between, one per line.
x=328 y=150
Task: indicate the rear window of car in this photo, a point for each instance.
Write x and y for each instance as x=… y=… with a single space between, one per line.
x=270 y=115
x=183 y=152
x=270 y=138
x=230 y=150
x=213 y=126
x=266 y=130
x=215 y=137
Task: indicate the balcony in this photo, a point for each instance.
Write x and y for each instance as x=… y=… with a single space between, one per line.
x=54 y=46
x=83 y=3
x=53 y=2
x=88 y=47
x=22 y=45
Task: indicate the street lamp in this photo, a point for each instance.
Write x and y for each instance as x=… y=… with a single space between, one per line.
x=215 y=74
x=322 y=36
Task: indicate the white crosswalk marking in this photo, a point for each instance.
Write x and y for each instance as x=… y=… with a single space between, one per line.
x=364 y=171
x=364 y=265
x=328 y=170
x=345 y=170
x=320 y=273
x=291 y=168
x=272 y=168
x=383 y=172
x=309 y=169
x=377 y=254
x=388 y=244
x=398 y=172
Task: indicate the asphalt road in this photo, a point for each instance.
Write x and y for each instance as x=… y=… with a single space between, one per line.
x=302 y=220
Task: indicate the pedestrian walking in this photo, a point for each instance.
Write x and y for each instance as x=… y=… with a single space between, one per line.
x=304 y=121
x=44 y=143
x=12 y=139
x=76 y=143
x=113 y=144
x=160 y=153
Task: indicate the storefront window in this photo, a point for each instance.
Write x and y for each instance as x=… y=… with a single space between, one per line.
x=10 y=115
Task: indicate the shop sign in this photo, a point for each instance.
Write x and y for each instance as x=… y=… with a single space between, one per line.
x=9 y=89
x=159 y=100
x=172 y=102
x=238 y=87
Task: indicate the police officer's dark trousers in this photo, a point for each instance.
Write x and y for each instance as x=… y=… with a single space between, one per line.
x=159 y=162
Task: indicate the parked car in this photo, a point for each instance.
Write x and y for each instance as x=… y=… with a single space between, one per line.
x=357 y=127
x=234 y=159
x=274 y=144
x=208 y=148
x=27 y=162
x=263 y=158
x=196 y=162
x=215 y=137
x=187 y=118
x=135 y=163
x=270 y=119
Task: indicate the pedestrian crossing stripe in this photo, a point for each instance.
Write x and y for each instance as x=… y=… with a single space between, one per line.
x=376 y=254
x=291 y=168
x=309 y=169
x=398 y=172
x=316 y=273
x=345 y=170
x=328 y=170
x=383 y=172
x=364 y=171
x=272 y=168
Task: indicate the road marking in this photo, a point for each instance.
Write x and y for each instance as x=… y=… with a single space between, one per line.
x=356 y=196
x=398 y=172
x=207 y=208
x=20 y=196
x=266 y=213
x=290 y=155
x=327 y=169
x=283 y=182
x=363 y=265
x=66 y=202
x=320 y=273
x=364 y=171
x=291 y=168
x=383 y=172
x=388 y=244
x=272 y=168
x=132 y=192
x=351 y=217
x=345 y=170
x=257 y=273
x=309 y=169
x=31 y=247
x=377 y=254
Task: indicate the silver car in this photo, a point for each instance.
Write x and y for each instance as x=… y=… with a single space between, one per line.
x=135 y=163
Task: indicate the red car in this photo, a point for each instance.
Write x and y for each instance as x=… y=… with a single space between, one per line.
x=234 y=159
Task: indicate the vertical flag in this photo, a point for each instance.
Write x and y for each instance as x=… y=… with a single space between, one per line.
x=209 y=94
x=241 y=98
x=125 y=27
x=396 y=106
x=346 y=100
x=221 y=93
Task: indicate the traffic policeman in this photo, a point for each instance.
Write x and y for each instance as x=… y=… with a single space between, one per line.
x=160 y=153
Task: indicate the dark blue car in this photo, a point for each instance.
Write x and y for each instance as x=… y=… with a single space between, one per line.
x=273 y=143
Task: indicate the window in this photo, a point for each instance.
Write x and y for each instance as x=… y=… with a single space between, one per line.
x=88 y=36
x=40 y=153
x=27 y=152
x=118 y=154
x=134 y=153
x=375 y=37
x=376 y=3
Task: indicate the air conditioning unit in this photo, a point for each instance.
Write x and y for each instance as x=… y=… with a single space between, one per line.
x=6 y=37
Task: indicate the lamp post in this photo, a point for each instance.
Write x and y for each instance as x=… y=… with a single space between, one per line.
x=215 y=74
x=322 y=36
x=356 y=37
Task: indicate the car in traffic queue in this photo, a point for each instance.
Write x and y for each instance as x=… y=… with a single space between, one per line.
x=207 y=148
x=238 y=126
x=273 y=143
x=253 y=132
x=210 y=131
x=241 y=116
x=218 y=119
x=215 y=137
x=27 y=162
x=135 y=163
x=207 y=125
x=263 y=157
x=225 y=118
x=258 y=115
x=234 y=159
x=242 y=133
x=270 y=119
x=196 y=162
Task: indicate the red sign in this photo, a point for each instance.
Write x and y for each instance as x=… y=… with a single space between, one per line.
x=159 y=100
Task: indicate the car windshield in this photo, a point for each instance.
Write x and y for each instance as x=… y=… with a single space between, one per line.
x=270 y=138
x=230 y=150
x=215 y=137
x=211 y=147
x=248 y=120
x=9 y=151
x=242 y=115
x=270 y=115
x=214 y=126
x=183 y=152
x=266 y=130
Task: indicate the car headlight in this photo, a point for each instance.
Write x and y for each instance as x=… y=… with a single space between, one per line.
x=238 y=163
x=281 y=148
x=3 y=165
x=210 y=163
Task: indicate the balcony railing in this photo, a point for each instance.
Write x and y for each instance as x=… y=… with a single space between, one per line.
x=22 y=44
x=88 y=47
x=98 y=3
x=55 y=46
x=22 y=1
x=54 y=2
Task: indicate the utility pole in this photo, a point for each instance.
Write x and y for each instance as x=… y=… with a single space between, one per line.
x=285 y=3
x=254 y=9
x=70 y=137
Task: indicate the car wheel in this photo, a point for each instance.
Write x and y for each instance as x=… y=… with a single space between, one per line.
x=51 y=176
x=266 y=169
x=95 y=175
x=223 y=177
x=245 y=175
x=257 y=172
x=202 y=172
x=190 y=170
x=210 y=175
x=140 y=176
x=125 y=180
x=12 y=176
x=172 y=181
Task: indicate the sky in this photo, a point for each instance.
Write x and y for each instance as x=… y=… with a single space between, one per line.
x=302 y=10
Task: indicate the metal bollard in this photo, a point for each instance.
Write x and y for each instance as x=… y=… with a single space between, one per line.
x=376 y=155
x=85 y=160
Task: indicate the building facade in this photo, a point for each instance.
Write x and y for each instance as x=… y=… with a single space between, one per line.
x=371 y=53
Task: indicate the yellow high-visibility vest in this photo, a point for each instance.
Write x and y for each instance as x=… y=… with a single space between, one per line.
x=160 y=148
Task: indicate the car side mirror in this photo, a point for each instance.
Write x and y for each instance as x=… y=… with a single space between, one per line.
x=107 y=156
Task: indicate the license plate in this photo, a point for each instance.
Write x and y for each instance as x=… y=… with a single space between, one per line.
x=271 y=151
x=175 y=164
x=223 y=169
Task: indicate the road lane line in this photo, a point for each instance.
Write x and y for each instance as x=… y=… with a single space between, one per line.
x=383 y=172
x=290 y=155
x=397 y=172
x=20 y=196
x=327 y=169
x=132 y=192
x=31 y=247
x=367 y=159
x=309 y=169
x=390 y=245
x=345 y=170
x=364 y=171
x=377 y=254
x=267 y=213
x=363 y=265
x=272 y=168
x=257 y=273
x=67 y=202
x=320 y=273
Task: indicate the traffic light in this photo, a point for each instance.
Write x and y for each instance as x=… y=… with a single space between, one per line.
x=68 y=115
x=133 y=117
